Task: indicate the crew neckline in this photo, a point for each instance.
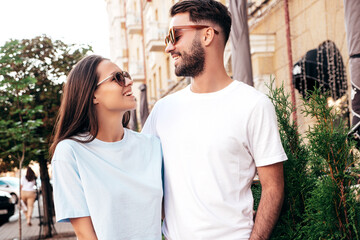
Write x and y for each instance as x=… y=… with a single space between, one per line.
x=98 y=141
x=220 y=92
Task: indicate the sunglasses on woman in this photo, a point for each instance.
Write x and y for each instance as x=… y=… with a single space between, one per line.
x=119 y=77
x=171 y=37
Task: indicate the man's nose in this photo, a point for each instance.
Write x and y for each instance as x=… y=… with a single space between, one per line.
x=169 y=47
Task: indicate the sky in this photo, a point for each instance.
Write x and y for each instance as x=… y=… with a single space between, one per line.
x=72 y=21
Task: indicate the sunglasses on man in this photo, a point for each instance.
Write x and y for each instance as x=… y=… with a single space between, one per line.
x=171 y=37
x=122 y=78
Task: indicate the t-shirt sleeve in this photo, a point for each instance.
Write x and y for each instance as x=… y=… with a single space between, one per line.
x=159 y=155
x=265 y=143
x=69 y=196
x=162 y=164
x=150 y=124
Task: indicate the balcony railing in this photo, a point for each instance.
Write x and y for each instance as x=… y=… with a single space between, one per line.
x=133 y=23
x=154 y=36
x=136 y=70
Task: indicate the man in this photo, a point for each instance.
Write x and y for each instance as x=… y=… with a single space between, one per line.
x=215 y=134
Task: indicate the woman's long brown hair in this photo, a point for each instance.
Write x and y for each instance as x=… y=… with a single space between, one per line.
x=30 y=175
x=77 y=113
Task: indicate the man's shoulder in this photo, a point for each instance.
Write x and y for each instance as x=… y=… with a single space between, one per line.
x=171 y=98
x=177 y=94
x=248 y=92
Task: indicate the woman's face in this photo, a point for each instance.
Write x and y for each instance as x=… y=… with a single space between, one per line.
x=109 y=95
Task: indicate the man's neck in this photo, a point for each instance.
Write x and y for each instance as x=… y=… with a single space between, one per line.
x=210 y=81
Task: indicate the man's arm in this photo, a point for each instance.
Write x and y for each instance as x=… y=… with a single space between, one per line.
x=272 y=196
x=83 y=228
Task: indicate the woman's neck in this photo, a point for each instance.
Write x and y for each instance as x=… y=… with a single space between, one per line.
x=110 y=127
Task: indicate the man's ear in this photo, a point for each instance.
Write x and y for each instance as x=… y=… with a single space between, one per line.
x=208 y=36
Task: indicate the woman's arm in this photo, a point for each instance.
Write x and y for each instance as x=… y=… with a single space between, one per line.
x=83 y=227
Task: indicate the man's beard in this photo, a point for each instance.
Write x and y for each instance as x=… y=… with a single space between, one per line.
x=192 y=64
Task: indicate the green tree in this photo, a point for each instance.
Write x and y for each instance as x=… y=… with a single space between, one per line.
x=30 y=93
x=331 y=209
x=18 y=127
x=320 y=175
x=298 y=181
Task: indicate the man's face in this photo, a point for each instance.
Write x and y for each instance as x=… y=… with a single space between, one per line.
x=188 y=53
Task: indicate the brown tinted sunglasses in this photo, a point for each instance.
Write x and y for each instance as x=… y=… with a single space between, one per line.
x=119 y=77
x=171 y=37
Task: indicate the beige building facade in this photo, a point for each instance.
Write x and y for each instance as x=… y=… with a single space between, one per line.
x=138 y=29
x=312 y=22
x=137 y=32
x=126 y=41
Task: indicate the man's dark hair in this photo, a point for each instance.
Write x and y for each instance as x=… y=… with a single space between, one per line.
x=205 y=10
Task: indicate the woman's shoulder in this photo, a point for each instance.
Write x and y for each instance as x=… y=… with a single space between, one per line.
x=65 y=148
x=66 y=144
x=74 y=141
x=144 y=137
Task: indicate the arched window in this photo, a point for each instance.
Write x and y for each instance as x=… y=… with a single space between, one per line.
x=322 y=67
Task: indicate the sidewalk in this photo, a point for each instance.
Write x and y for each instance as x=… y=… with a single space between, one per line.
x=10 y=230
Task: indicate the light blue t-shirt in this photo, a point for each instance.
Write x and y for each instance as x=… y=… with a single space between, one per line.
x=118 y=184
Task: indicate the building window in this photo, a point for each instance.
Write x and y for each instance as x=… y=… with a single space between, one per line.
x=156 y=15
x=154 y=86
x=323 y=68
x=160 y=79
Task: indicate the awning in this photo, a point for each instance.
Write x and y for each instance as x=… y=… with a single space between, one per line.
x=144 y=109
x=240 y=45
x=352 y=24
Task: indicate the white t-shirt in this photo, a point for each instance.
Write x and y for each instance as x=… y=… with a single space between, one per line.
x=212 y=144
x=28 y=186
x=118 y=184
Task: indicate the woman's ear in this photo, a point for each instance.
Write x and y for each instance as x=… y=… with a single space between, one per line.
x=95 y=101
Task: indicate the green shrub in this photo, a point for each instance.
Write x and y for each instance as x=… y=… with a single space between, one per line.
x=319 y=176
x=298 y=182
x=329 y=205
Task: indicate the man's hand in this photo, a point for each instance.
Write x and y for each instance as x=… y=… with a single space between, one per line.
x=272 y=196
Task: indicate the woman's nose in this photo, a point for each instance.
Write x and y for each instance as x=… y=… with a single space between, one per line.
x=128 y=81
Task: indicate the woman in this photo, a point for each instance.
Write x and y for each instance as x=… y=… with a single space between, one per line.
x=28 y=193
x=107 y=178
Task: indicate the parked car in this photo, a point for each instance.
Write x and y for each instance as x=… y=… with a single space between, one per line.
x=11 y=186
x=7 y=207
